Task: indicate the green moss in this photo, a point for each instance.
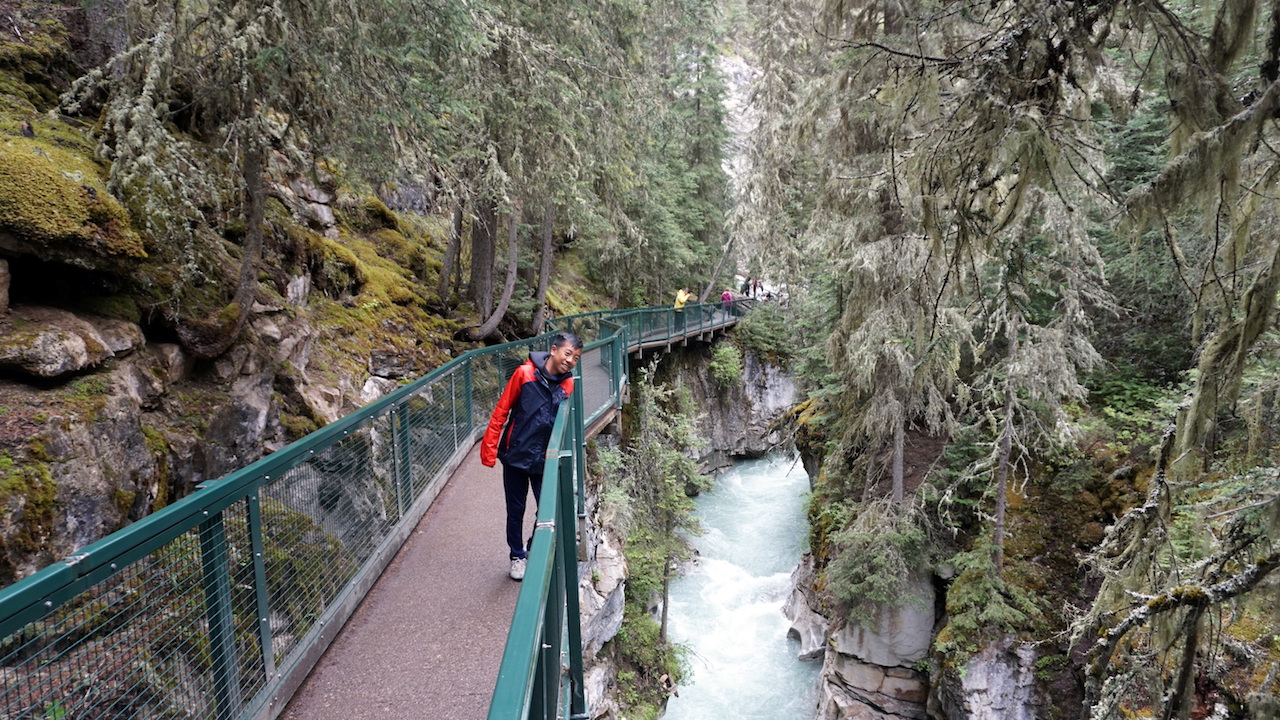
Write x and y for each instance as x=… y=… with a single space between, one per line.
x=297 y=426
x=335 y=269
x=120 y=307
x=57 y=199
x=376 y=215
x=123 y=500
x=27 y=483
x=87 y=395
x=229 y=314
x=158 y=445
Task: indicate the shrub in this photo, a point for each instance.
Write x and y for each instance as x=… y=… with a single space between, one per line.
x=726 y=365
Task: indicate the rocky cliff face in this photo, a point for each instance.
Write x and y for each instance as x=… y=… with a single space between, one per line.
x=106 y=417
x=738 y=421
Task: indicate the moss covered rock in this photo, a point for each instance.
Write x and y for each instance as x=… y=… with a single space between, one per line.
x=54 y=205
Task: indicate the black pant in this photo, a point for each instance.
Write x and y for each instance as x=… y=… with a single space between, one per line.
x=516 y=484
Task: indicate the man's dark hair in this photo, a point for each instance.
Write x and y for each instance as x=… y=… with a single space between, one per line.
x=567 y=338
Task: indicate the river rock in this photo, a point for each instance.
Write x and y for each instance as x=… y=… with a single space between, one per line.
x=996 y=684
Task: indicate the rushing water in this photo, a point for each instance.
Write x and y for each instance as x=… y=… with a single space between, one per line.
x=727 y=608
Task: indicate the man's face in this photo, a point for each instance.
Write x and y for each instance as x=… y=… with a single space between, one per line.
x=563 y=359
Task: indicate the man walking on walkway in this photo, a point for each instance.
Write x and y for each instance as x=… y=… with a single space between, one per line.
x=520 y=428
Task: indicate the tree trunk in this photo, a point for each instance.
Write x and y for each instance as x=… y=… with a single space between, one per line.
x=544 y=273
x=715 y=276
x=509 y=288
x=450 y=254
x=666 y=599
x=212 y=337
x=1002 y=463
x=483 y=244
x=1179 y=703
x=899 y=432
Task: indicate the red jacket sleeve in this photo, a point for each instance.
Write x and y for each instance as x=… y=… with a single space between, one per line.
x=492 y=434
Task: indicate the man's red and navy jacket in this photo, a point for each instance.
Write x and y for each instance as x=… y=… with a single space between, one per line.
x=527 y=408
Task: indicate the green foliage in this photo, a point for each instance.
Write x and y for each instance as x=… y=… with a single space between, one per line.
x=650 y=481
x=652 y=655
x=879 y=549
x=981 y=604
x=766 y=331
x=726 y=365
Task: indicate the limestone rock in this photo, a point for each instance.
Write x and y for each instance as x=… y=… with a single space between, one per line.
x=375 y=387
x=47 y=343
x=174 y=363
x=600 y=595
x=852 y=689
x=391 y=364
x=740 y=424
x=997 y=684
x=807 y=626
x=902 y=635
x=267 y=330
x=120 y=336
x=297 y=290
x=597 y=685
x=311 y=193
x=237 y=429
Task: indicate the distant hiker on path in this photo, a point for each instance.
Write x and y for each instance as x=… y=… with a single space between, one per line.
x=530 y=401
x=682 y=296
x=726 y=301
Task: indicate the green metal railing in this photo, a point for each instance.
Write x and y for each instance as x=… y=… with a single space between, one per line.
x=218 y=605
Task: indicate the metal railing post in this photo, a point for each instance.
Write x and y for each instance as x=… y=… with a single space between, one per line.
x=470 y=384
x=260 y=583
x=217 y=602
x=572 y=612
x=403 y=455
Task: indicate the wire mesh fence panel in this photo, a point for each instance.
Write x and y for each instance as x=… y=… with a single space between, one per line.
x=597 y=381
x=437 y=423
x=321 y=520
x=135 y=645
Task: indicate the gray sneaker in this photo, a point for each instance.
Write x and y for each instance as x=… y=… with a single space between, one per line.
x=517 y=568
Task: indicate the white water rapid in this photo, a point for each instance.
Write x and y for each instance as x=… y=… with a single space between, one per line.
x=727 y=607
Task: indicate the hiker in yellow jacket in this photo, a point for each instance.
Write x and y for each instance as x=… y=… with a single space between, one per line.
x=682 y=296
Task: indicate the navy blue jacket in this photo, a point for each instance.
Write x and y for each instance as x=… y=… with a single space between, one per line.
x=527 y=409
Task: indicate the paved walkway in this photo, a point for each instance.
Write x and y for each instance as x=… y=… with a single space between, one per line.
x=430 y=633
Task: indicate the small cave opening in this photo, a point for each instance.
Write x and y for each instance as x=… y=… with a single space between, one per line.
x=51 y=284
x=38 y=282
